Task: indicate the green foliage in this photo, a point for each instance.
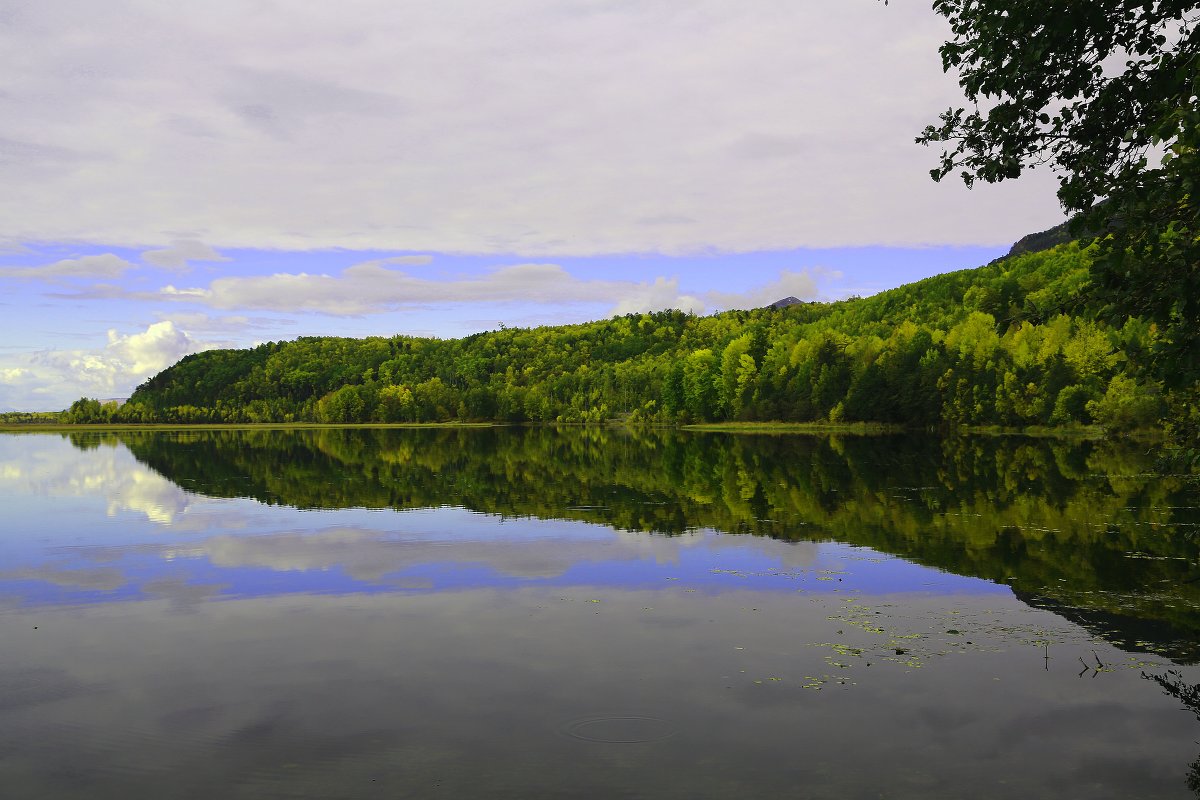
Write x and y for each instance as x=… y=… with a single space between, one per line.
x=1070 y=407
x=32 y=417
x=396 y=404
x=738 y=370
x=87 y=410
x=346 y=404
x=701 y=385
x=990 y=346
x=1107 y=93
x=1126 y=405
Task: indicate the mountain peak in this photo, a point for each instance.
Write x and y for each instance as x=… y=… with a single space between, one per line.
x=785 y=302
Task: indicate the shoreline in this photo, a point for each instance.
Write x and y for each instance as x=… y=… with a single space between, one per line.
x=1091 y=432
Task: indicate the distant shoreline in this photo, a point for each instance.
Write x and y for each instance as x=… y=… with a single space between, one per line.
x=61 y=427
x=743 y=428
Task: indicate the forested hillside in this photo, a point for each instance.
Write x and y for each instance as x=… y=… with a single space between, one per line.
x=1011 y=344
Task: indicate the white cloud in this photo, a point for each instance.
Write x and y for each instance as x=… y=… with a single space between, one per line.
x=663 y=293
x=106 y=265
x=193 y=322
x=177 y=256
x=51 y=379
x=170 y=291
x=801 y=285
x=156 y=348
x=531 y=126
x=372 y=287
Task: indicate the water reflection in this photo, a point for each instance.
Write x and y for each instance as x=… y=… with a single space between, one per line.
x=523 y=613
x=1175 y=685
x=1086 y=529
x=478 y=692
x=234 y=547
x=31 y=466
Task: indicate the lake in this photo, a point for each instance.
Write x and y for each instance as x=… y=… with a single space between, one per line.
x=594 y=613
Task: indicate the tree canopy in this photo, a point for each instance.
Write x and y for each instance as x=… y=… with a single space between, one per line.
x=989 y=346
x=1105 y=93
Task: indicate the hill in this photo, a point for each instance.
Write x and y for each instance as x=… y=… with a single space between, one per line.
x=1012 y=343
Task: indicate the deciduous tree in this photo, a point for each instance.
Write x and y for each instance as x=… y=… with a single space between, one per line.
x=1106 y=93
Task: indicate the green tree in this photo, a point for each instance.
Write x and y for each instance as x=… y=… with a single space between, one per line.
x=85 y=410
x=830 y=377
x=1089 y=352
x=737 y=373
x=1096 y=90
x=1125 y=405
x=435 y=400
x=672 y=391
x=347 y=404
x=701 y=390
x=395 y=404
x=1071 y=406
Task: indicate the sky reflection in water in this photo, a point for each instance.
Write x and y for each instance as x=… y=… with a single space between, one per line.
x=154 y=538
x=171 y=643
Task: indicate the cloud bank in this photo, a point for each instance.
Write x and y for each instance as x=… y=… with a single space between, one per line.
x=106 y=265
x=374 y=287
x=52 y=379
x=536 y=127
x=177 y=256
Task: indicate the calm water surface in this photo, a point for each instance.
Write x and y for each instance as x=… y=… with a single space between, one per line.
x=594 y=614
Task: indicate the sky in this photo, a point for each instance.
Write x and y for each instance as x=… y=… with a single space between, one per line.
x=177 y=177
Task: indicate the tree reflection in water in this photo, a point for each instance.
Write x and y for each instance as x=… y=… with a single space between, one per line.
x=1089 y=531
x=1085 y=529
x=1174 y=685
